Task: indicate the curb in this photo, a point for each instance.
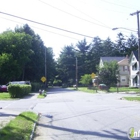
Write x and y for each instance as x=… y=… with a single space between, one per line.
x=32 y=134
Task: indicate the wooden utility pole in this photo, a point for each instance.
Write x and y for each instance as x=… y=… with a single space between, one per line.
x=76 y=73
x=137 y=13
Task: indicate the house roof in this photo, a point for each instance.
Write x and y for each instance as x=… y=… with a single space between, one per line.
x=109 y=59
x=135 y=53
x=123 y=62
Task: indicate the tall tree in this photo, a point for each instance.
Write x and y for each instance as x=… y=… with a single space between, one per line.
x=17 y=46
x=108 y=73
x=66 y=65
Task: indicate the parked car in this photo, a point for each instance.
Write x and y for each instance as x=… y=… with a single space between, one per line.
x=102 y=86
x=20 y=82
x=4 y=88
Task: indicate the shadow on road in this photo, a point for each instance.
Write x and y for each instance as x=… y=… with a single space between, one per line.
x=104 y=134
x=57 y=90
x=6 y=115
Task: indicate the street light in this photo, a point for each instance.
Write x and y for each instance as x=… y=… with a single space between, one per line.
x=124 y=29
x=138 y=44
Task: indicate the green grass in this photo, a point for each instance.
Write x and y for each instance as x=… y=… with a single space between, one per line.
x=19 y=128
x=4 y=96
x=124 y=89
x=85 y=89
x=43 y=95
x=132 y=98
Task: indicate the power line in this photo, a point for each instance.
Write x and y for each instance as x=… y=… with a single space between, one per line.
x=45 y=25
x=102 y=8
x=73 y=15
x=117 y=4
x=84 y=13
x=41 y=29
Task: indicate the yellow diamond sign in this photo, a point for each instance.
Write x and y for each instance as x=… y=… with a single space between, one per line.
x=43 y=79
x=93 y=75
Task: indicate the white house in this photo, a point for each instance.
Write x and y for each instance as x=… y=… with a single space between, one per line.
x=134 y=69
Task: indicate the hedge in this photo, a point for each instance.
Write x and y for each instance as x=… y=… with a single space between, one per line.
x=18 y=91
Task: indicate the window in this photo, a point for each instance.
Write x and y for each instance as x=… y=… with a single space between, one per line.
x=123 y=78
x=133 y=58
x=125 y=68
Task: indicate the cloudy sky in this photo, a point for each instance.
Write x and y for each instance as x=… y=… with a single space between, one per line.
x=86 y=17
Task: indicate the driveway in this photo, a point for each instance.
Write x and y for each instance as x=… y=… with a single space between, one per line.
x=75 y=115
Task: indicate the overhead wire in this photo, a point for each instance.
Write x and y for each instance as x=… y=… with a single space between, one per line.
x=43 y=24
x=74 y=15
x=102 y=8
x=124 y=6
x=41 y=29
x=84 y=13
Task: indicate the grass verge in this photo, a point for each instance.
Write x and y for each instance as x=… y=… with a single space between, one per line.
x=19 y=128
x=85 y=89
x=124 y=89
x=4 y=96
x=132 y=98
x=43 y=95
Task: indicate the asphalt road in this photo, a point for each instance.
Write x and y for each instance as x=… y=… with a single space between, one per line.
x=74 y=115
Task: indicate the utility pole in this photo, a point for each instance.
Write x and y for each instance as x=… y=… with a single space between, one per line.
x=76 y=73
x=137 y=13
x=45 y=68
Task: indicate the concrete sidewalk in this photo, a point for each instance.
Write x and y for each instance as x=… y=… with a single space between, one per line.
x=6 y=116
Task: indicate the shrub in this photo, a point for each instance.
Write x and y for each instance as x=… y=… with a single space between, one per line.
x=18 y=91
x=35 y=86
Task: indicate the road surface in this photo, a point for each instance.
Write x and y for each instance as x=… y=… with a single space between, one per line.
x=75 y=115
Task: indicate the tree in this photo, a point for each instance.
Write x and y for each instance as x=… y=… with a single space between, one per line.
x=66 y=65
x=35 y=68
x=86 y=79
x=14 y=50
x=108 y=73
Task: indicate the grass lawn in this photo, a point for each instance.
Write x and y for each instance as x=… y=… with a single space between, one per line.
x=4 y=96
x=132 y=98
x=124 y=89
x=19 y=128
x=41 y=96
x=112 y=89
x=85 y=89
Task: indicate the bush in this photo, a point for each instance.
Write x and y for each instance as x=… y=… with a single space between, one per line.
x=18 y=91
x=64 y=85
x=35 y=86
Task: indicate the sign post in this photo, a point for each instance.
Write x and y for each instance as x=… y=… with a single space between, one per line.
x=43 y=79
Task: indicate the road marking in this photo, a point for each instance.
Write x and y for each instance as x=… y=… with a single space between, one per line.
x=9 y=105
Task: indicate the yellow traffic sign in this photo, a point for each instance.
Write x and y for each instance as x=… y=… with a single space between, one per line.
x=43 y=79
x=93 y=75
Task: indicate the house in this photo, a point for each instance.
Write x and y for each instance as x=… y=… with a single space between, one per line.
x=123 y=68
x=134 y=69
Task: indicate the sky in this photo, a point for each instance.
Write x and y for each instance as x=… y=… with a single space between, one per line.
x=86 y=17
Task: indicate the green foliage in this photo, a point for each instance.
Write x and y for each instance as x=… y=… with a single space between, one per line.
x=19 y=128
x=4 y=96
x=132 y=98
x=86 y=79
x=57 y=82
x=18 y=91
x=36 y=86
x=107 y=74
x=22 y=56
